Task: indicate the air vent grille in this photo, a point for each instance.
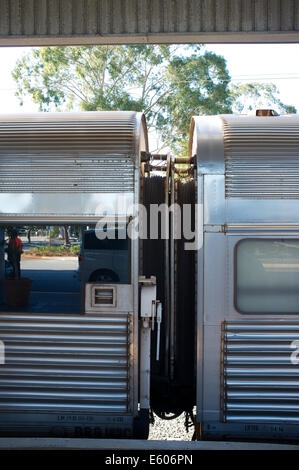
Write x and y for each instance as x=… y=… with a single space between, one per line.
x=103 y=296
x=261 y=157
x=260 y=372
x=68 y=152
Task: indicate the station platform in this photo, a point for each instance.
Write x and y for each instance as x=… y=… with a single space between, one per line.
x=132 y=444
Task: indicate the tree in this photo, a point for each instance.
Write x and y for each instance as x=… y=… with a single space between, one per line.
x=66 y=235
x=168 y=83
x=199 y=85
x=31 y=228
x=250 y=96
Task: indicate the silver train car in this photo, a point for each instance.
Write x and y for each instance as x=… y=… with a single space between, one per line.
x=76 y=372
x=229 y=337
x=247 y=276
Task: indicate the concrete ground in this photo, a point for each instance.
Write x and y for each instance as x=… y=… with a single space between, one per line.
x=131 y=444
x=55 y=287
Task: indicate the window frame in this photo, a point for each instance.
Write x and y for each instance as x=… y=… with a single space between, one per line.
x=130 y=264
x=235 y=277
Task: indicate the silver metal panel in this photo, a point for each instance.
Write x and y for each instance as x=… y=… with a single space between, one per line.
x=248 y=386
x=214 y=202
x=94 y=133
x=206 y=142
x=122 y=21
x=260 y=380
x=35 y=174
x=101 y=378
x=199 y=298
x=261 y=157
x=254 y=359
x=258 y=157
x=214 y=280
x=213 y=310
x=66 y=363
x=211 y=369
x=70 y=152
x=122 y=296
x=134 y=356
x=69 y=165
x=66 y=206
x=261 y=211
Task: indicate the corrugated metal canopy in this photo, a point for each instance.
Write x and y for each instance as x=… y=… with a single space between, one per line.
x=62 y=22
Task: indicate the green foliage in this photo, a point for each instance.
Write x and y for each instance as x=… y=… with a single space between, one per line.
x=93 y=77
x=251 y=96
x=74 y=249
x=199 y=86
x=169 y=83
x=9 y=229
x=58 y=250
x=54 y=232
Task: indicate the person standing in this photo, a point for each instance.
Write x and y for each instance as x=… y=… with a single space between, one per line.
x=15 y=250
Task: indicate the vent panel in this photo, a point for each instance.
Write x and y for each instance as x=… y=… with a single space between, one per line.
x=103 y=296
x=260 y=381
x=73 y=363
x=261 y=157
x=65 y=152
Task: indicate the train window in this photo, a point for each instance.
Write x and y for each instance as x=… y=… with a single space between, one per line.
x=267 y=276
x=106 y=260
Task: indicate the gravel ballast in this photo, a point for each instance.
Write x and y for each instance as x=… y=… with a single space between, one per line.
x=170 y=430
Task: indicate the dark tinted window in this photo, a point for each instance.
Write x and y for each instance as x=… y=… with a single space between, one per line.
x=92 y=242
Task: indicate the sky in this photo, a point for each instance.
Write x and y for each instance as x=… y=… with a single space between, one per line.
x=268 y=63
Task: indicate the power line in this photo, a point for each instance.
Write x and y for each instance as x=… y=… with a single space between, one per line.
x=231 y=79
x=265 y=77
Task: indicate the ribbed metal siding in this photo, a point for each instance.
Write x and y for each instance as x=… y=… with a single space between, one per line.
x=100 y=20
x=261 y=157
x=84 y=152
x=260 y=382
x=65 y=363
